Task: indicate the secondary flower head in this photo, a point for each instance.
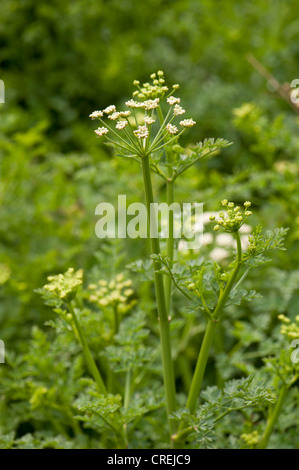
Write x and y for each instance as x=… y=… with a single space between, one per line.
x=133 y=104
x=109 y=109
x=178 y=110
x=101 y=131
x=116 y=293
x=173 y=100
x=156 y=89
x=121 y=124
x=187 y=123
x=114 y=116
x=141 y=132
x=150 y=104
x=96 y=114
x=234 y=218
x=124 y=113
x=64 y=286
x=171 y=129
x=148 y=120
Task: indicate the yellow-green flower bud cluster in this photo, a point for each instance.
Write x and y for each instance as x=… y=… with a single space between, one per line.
x=251 y=439
x=113 y=293
x=234 y=218
x=156 y=89
x=288 y=328
x=64 y=286
x=195 y=285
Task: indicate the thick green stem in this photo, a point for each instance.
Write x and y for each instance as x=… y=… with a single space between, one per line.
x=127 y=396
x=169 y=245
x=210 y=331
x=273 y=417
x=86 y=351
x=168 y=372
x=116 y=319
x=201 y=365
x=127 y=389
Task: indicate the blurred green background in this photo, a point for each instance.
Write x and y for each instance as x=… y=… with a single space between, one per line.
x=62 y=60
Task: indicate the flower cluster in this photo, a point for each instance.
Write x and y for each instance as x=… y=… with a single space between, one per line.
x=234 y=218
x=117 y=292
x=251 y=439
x=133 y=138
x=141 y=132
x=156 y=89
x=64 y=286
x=288 y=328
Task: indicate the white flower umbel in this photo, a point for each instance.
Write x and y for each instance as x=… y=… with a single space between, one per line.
x=96 y=114
x=109 y=109
x=124 y=113
x=172 y=129
x=187 y=123
x=121 y=124
x=114 y=116
x=178 y=110
x=141 y=132
x=148 y=120
x=133 y=104
x=173 y=100
x=101 y=131
x=150 y=104
x=133 y=135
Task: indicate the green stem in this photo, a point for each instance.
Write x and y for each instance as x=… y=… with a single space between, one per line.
x=170 y=200
x=210 y=331
x=272 y=419
x=168 y=373
x=127 y=396
x=127 y=389
x=116 y=319
x=169 y=244
x=86 y=351
x=201 y=365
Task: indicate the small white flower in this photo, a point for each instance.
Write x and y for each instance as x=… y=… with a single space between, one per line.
x=148 y=120
x=96 y=114
x=187 y=123
x=121 y=124
x=177 y=110
x=150 y=104
x=124 y=113
x=172 y=100
x=109 y=109
x=141 y=132
x=101 y=131
x=132 y=104
x=171 y=129
x=114 y=116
